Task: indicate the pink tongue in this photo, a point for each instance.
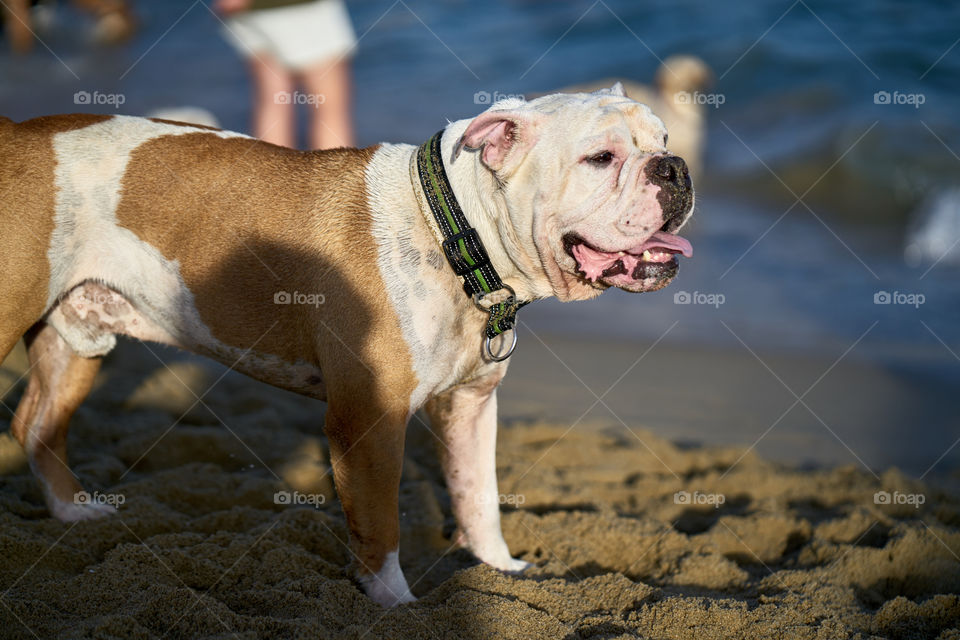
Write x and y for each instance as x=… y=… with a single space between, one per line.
x=661 y=240
x=593 y=263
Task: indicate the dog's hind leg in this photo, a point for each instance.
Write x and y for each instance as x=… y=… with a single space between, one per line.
x=59 y=381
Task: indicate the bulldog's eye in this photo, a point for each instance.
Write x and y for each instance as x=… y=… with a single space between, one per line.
x=601 y=159
x=665 y=136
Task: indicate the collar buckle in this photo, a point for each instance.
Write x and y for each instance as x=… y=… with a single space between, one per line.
x=465 y=252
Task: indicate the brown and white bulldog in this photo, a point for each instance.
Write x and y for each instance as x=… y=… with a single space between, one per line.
x=321 y=272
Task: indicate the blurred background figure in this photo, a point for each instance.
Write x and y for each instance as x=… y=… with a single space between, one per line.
x=291 y=44
x=933 y=236
x=115 y=22
x=679 y=82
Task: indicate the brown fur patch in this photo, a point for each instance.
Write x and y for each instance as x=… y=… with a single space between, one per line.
x=246 y=220
x=27 y=193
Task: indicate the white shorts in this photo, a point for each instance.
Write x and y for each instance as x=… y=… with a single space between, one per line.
x=298 y=36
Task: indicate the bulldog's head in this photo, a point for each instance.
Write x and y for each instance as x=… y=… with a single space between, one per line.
x=593 y=198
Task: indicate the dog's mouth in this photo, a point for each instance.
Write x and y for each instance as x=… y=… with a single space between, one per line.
x=647 y=267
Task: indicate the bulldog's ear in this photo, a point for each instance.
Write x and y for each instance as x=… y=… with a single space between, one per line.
x=616 y=90
x=500 y=135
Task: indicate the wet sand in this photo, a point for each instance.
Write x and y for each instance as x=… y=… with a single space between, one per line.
x=862 y=411
x=632 y=534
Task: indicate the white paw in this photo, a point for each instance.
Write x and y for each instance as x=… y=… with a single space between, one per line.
x=74 y=512
x=388 y=587
x=515 y=565
x=510 y=565
x=491 y=549
x=387 y=597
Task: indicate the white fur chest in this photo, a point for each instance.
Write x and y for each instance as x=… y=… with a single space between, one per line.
x=442 y=329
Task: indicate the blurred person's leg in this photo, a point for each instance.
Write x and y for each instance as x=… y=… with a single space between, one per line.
x=331 y=123
x=273 y=109
x=17 y=19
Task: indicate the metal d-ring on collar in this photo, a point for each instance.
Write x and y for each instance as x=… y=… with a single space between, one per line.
x=500 y=357
x=464 y=250
x=487 y=340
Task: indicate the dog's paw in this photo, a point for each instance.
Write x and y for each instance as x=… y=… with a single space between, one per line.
x=515 y=565
x=387 y=598
x=76 y=511
x=386 y=595
x=387 y=587
x=511 y=565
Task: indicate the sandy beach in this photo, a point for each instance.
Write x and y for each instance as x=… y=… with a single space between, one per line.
x=632 y=535
x=773 y=454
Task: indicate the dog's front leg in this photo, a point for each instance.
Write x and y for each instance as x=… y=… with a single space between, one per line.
x=366 y=452
x=466 y=421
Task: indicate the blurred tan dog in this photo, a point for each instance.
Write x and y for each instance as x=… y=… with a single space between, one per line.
x=115 y=21
x=676 y=80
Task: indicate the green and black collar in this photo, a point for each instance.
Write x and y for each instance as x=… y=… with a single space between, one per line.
x=463 y=248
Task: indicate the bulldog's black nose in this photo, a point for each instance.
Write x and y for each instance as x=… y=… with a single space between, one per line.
x=668 y=170
x=670 y=173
